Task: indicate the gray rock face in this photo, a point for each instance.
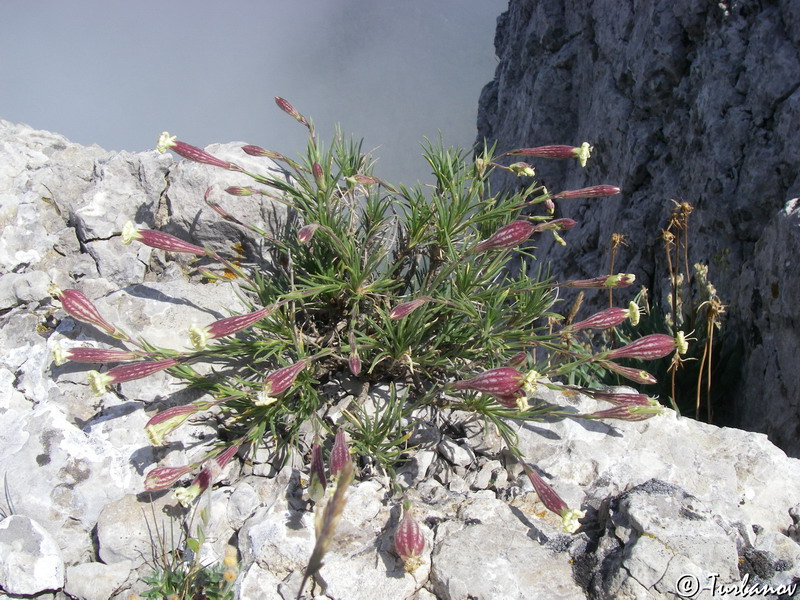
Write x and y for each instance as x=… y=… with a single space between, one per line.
x=663 y=497
x=692 y=101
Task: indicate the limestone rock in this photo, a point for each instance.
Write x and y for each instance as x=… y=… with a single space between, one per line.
x=30 y=559
x=717 y=497
x=96 y=581
x=697 y=102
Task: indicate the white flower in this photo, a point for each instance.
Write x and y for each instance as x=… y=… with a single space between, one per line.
x=264 y=399
x=529 y=383
x=198 y=337
x=98 y=382
x=59 y=354
x=570 y=518
x=634 y=313
x=165 y=142
x=583 y=153
x=129 y=233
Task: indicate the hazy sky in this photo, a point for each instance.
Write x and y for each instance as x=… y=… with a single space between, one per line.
x=119 y=73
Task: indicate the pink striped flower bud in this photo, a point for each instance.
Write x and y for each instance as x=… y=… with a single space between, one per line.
x=290 y=110
x=596 y=191
x=259 y=151
x=210 y=471
x=159 y=240
x=161 y=478
x=507 y=236
x=358 y=178
x=605 y=319
x=90 y=355
x=605 y=282
x=280 y=381
x=650 y=347
x=319 y=175
x=564 y=223
x=189 y=152
x=78 y=306
x=520 y=358
x=628 y=412
x=502 y=381
x=553 y=502
x=99 y=382
x=617 y=398
x=406 y=308
x=521 y=169
x=307 y=232
x=354 y=362
x=200 y=336
x=637 y=375
x=340 y=453
x=238 y=190
x=409 y=542
x=317 y=481
x=168 y=421
x=551 y=151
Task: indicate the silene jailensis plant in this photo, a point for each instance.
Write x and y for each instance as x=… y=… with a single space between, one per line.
x=401 y=287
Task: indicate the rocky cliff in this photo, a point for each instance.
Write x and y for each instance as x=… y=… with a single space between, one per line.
x=684 y=100
x=668 y=502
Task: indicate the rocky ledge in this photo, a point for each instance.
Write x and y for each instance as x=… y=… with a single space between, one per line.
x=669 y=502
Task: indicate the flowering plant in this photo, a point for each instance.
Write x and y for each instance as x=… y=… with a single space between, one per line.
x=391 y=284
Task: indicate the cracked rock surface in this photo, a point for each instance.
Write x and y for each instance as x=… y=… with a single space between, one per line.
x=684 y=100
x=664 y=498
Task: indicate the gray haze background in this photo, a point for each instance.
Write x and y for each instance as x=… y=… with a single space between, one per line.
x=118 y=73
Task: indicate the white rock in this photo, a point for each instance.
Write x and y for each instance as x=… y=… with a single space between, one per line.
x=96 y=581
x=30 y=559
